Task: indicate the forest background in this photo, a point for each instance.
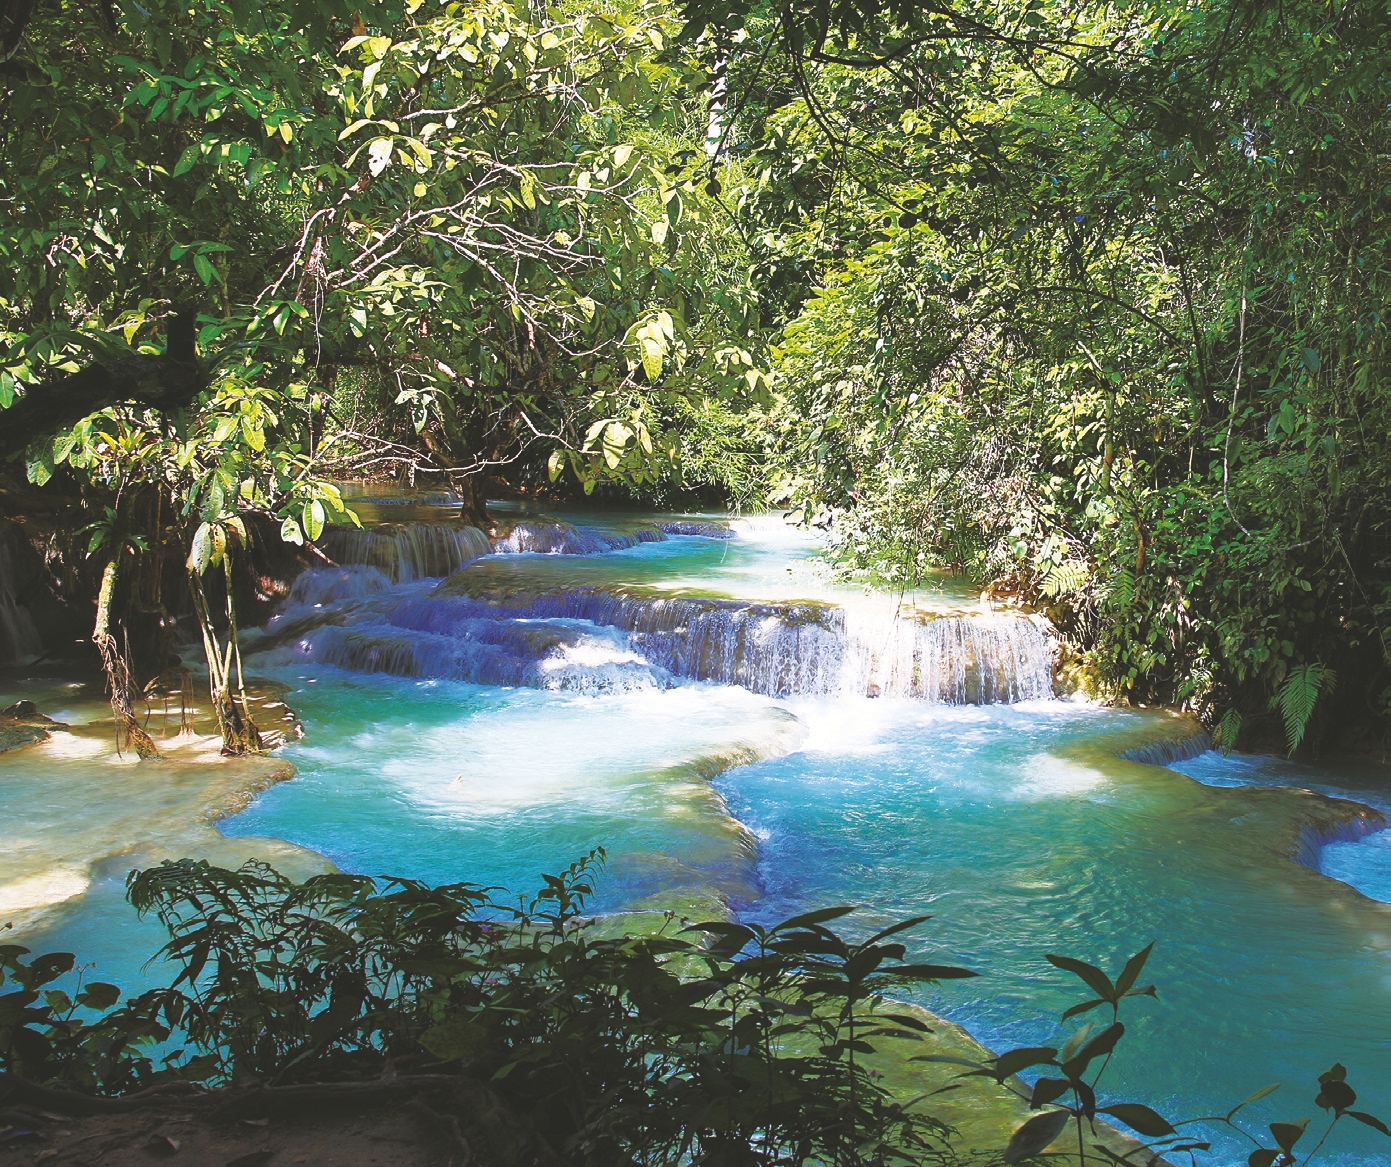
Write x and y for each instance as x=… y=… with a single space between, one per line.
x=1085 y=300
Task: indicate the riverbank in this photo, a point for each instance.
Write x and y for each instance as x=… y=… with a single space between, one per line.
x=79 y=813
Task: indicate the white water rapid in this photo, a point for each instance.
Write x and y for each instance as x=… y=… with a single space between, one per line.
x=539 y=625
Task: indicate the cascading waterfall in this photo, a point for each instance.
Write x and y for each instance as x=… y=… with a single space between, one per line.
x=952 y=660
x=564 y=539
x=606 y=639
x=314 y=589
x=410 y=551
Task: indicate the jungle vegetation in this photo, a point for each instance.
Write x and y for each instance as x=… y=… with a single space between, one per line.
x=1084 y=299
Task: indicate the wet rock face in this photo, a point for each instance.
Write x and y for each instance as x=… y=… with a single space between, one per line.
x=20 y=709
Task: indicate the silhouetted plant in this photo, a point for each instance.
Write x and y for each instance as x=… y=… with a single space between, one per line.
x=1068 y=1095
x=722 y=1045
x=755 y=1055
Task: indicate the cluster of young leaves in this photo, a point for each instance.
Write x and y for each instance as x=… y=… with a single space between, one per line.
x=720 y=1044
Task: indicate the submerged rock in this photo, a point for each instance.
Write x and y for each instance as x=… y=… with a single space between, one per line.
x=13 y=736
x=21 y=724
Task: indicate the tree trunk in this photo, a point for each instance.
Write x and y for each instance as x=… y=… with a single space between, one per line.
x=129 y=731
x=474 y=509
x=239 y=733
x=165 y=382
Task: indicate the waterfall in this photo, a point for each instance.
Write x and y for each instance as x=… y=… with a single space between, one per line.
x=535 y=654
x=333 y=585
x=403 y=552
x=563 y=539
x=702 y=527
x=952 y=660
x=19 y=635
x=408 y=551
x=600 y=639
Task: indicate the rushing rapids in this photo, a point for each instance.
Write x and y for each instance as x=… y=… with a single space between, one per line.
x=605 y=638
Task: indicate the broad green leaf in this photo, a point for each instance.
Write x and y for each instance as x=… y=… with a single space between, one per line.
x=1036 y=1135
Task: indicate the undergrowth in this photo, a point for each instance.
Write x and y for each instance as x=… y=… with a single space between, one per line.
x=717 y=1043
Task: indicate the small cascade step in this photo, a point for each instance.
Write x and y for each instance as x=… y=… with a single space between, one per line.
x=408 y=551
x=546 y=538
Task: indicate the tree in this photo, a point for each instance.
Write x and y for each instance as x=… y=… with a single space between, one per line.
x=477 y=217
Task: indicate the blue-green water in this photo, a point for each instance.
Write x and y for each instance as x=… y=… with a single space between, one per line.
x=1016 y=826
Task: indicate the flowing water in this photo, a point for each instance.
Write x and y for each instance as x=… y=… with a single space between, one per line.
x=742 y=735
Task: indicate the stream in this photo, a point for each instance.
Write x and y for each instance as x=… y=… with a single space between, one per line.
x=743 y=735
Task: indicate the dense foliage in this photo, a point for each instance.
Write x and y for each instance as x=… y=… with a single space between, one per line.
x=1089 y=301
x=461 y=239
x=1083 y=299
x=735 y=1045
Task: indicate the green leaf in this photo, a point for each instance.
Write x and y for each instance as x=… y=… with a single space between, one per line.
x=1093 y=977
x=98 y=995
x=931 y=972
x=1048 y=1090
x=200 y=554
x=1074 y=1043
x=187 y=160
x=459 y=1037
x=1335 y=1095
x=1263 y=1092
x=1103 y=1043
x=811 y=919
x=314 y=519
x=1140 y=1118
x=1020 y=1059
x=43 y=969
x=1286 y=1134
x=40 y=470
x=1133 y=967
x=253 y=434
x=290 y=532
x=1036 y=1135
x=1370 y=1120
x=57 y=1000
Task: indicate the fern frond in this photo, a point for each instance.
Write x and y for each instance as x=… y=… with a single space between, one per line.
x=1122 y=589
x=1225 y=735
x=1065 y=579
x=1297 y=697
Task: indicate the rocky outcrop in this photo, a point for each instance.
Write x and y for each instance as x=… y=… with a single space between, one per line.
x=23 y=725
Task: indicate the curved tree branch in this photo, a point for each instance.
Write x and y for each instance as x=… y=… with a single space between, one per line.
x=166 y=382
